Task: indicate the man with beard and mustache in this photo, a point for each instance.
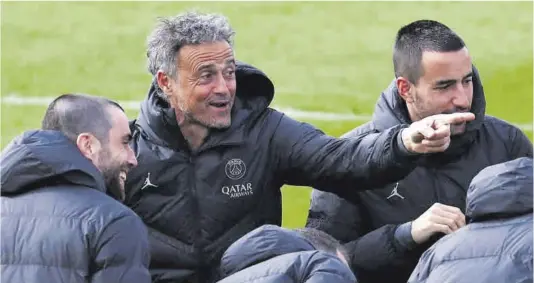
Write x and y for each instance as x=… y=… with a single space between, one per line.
x=61 y=216
x=386 y=229
x=213 y=155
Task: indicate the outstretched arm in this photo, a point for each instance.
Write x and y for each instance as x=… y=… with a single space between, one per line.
x=307 y=157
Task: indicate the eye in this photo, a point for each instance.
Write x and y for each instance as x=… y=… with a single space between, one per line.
x=206 y=76
x=125 y=145
x=466 y=81
x=229 y=73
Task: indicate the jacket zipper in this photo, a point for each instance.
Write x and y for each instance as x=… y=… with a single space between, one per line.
x=196 y=208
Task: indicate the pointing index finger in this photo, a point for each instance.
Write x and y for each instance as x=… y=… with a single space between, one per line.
x=456 y=118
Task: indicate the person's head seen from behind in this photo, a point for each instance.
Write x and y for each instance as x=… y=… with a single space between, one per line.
x=322 y=241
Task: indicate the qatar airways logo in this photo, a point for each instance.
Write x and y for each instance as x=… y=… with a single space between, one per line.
x=235 y=169
x=236 y=191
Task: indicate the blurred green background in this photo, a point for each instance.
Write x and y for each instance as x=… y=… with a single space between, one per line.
x=322 y=56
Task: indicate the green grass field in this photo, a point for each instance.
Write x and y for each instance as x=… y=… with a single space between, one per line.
x=322 y=56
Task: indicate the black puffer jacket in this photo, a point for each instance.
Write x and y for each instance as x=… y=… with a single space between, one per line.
x=382 y=250
x=496 y=245
x=198 y=203
x=58 y=224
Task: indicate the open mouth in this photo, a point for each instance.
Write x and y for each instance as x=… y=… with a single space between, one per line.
x=122 y=176
x=219 y=104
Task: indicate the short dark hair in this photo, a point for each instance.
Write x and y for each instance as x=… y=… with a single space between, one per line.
x=415 y=38
x=73 y=114
x=322 y=241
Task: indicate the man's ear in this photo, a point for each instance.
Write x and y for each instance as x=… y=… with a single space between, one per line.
x=404 y=88
x=165 y=83
x=88 y=145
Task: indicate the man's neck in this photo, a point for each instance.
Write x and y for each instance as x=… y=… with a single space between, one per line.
x=194 y=133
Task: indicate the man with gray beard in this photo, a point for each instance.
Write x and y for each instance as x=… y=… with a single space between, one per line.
x=213 y=155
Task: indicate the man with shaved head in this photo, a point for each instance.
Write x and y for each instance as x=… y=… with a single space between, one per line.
x=62 y=220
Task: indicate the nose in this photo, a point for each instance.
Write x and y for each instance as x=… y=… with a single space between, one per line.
x=132 y=161
x=461 y=98
x=221 y=85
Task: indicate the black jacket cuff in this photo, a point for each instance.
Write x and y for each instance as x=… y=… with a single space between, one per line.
x=403 y=236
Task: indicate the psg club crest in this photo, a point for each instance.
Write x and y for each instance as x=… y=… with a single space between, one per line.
x=235 y=169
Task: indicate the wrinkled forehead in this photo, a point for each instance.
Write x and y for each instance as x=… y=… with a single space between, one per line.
x=195 y=57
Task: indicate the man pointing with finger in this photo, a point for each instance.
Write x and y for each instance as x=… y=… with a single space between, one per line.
x=213 y=155
x=386 y=228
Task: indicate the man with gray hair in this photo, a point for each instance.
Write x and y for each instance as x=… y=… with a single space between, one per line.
x=214 y=156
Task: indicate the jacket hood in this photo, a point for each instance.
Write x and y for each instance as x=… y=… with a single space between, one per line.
x=259 y=245
x=38 y=158
x=501 y=190
x=390 y=110
x=254 y=93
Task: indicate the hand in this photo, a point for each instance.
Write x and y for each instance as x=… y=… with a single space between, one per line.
x=438 y=218
x=433 y=133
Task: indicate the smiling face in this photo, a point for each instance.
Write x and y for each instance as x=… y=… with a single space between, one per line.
x=445 y=86
x=204 y=91
x=115 y=158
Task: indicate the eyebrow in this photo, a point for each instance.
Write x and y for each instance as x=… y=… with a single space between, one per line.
x=230 y=61
x=447 y=82
x=206 y=67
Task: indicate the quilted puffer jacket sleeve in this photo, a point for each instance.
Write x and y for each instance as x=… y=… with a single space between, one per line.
x=308 y=157
x=122 y=252
x=368 y=250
